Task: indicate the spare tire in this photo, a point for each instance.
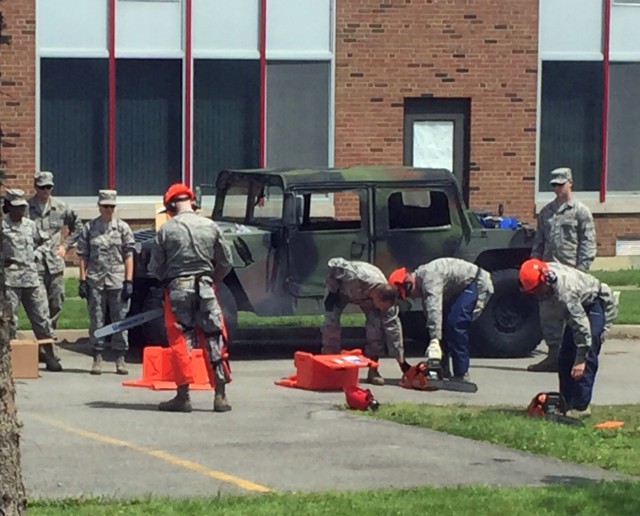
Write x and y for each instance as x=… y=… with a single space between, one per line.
x=510 y=324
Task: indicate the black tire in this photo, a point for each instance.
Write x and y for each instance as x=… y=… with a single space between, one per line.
x=509 y=326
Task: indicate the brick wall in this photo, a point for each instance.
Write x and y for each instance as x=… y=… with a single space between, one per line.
x=486 y=50
x=17 y=92
x=609 y=227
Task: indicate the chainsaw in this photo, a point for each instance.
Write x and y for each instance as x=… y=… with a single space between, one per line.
x=430 y=376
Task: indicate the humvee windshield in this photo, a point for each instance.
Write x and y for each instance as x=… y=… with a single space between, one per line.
x=250 y=200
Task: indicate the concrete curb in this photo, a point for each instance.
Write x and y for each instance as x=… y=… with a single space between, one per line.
x=624 y=331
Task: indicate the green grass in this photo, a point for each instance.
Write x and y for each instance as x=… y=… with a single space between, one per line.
x=592 y=499
x=611 y=449
x=74 y=314
x=619 y=278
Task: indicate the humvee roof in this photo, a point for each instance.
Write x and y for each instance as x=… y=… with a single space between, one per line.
x=291 y=177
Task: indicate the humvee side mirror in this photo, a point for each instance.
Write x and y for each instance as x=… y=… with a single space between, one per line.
x=293 y=209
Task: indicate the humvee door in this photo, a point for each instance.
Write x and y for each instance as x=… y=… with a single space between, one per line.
x=321 y=232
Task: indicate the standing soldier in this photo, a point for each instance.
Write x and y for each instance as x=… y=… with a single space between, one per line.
x=364 y=285
x=587 y=308
x=190 y=256
x=105 y=248
x=50 y=216
x=23 y=248
x=566 y=234
x=453 y=292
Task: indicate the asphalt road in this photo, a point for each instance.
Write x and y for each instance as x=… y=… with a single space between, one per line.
x=87 y=435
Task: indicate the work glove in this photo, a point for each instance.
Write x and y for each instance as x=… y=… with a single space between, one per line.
x=83 y=289
x=127 y=290
x=331 y=301
x=434 y=351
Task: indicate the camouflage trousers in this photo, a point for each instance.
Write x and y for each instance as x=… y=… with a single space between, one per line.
x=101 y=300
x=552 y=324
x=34 y=300
x=195 y=306
x=54 y=285
x=376 y=345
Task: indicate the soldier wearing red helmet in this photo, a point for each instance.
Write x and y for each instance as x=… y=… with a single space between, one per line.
x=587 y=308
x=190 y=257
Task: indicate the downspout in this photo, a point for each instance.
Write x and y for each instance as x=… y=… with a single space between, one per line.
x=262 y=159
x=111 y=138
x=606 y=34
x=188 y=91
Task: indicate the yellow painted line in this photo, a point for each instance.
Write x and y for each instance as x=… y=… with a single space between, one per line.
x=159 y=454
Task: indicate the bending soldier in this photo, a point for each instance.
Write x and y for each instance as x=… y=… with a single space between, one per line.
x=190 y=257
x=24 y=248
x=566 y=234
x=587 y=309
x=364 y=285
x=106 y=247
x=454 y=293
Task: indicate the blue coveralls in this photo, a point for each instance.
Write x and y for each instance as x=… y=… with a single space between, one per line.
x=458 y=319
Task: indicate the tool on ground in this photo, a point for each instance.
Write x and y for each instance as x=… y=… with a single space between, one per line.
x=552 y=407
x=608 y=425
x=360 y=399
x=429 y=376
x=126 y=324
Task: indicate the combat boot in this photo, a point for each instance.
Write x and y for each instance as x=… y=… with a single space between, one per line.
x=548 y=365
x=374 y=377
x=96 y=367
x=220 y=403
x=462 y=378
x=120 y=365
x=181 y=402
x=579 y=414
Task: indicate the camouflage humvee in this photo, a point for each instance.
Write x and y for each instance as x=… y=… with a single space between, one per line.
x=284 y=226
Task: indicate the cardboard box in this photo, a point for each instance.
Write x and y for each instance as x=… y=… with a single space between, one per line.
x=24 y=359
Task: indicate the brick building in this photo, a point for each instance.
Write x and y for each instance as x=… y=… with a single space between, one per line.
x=135 y=94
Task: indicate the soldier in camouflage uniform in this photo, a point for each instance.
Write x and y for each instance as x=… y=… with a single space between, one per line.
x=51 y=216
x=23 y=248
x=105 y=248
x=566 y=234
x=190 y=256
x=588 y=308
x=364 y=285
x=454 y=293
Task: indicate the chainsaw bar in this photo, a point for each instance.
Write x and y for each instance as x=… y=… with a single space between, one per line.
x=563 y=420
x=453 y=385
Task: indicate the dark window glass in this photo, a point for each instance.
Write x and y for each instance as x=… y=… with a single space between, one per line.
x=148 y=125
x=225 y=117
x=73 y=124
x=418 y=209
x=571 y=122
x=623 y=167
x=298 y=114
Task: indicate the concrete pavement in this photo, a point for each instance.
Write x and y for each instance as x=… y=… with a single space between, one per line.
x=87 y=435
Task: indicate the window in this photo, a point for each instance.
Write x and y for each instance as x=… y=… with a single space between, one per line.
x=571 y=122
x=225 y=117
x=415 y=208
x=73 y=124
x=623 y=157
x=267 y=203
x=315 y=212
x=298 y=114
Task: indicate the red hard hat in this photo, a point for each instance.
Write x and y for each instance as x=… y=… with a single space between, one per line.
x=177 y=190
x=398 y=279
x=531 y=274
x=358 y=398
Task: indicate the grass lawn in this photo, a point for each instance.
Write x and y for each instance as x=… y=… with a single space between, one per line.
x=619 y=498
x=74 y=314
x=611 y=449
x=619 y=278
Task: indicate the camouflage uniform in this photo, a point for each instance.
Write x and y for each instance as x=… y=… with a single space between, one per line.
x=353 y=280
x=23 y=247
x=104 y=246
x=459 y=291
x=565 y=234
x=190 y=253
x=50 y=219
x=588 y=309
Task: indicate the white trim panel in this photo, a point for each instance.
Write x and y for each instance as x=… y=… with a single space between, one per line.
x=298 y=28
x=570 y=26
x=148 y=29
x=227 y=27
x=627 y=202
x=225 y=54
x=625 y=29
x=71 y=27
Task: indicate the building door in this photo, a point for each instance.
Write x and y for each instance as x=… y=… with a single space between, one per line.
x=436 y=135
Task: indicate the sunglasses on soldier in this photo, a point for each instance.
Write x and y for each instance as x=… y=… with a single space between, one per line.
x=45 y=187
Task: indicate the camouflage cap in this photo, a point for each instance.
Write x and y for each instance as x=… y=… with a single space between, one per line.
x=15 y=197
x=43 y=178
x=560 y=176
x=107 y=197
